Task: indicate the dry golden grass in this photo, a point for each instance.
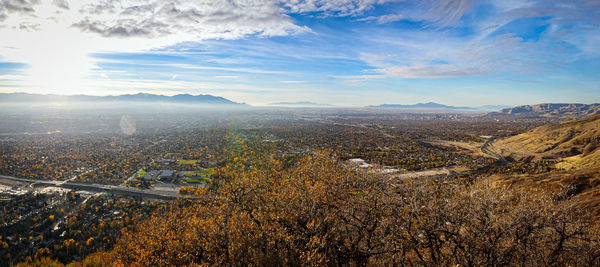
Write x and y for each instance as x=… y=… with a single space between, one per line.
x=471 y=148
x=575 y=141
x=580 y=161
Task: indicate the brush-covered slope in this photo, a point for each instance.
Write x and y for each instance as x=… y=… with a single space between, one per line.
x=577 y=142
x=583 y=185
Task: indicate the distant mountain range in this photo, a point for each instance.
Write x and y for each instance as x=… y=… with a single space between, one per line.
x=432 y=105
x=565 y=110
x=300 y=104
x=550 y=110
x=141 y=97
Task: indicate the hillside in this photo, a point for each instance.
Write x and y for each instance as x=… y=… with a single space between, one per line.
x=576 y=142
x=565 y=110
x=583 y=185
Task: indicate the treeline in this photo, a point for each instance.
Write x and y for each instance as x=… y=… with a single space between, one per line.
x=266 y=211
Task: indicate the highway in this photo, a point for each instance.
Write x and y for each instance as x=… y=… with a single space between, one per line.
x=109 y=189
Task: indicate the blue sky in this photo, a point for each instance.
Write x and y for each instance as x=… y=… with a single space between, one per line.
x=342 y=52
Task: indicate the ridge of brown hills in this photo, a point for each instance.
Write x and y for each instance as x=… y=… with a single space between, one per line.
x=551 y=110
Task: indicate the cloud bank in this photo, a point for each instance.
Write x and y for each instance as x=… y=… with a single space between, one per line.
x=208 y=19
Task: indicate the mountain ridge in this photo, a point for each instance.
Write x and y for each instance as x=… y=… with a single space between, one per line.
x=433 y=105
x=567 y=110
x=139 y=97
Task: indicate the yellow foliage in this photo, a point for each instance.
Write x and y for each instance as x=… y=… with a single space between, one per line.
x=264 y=211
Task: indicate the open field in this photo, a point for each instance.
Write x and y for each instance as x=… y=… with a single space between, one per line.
x=206 y=173
x=187 y=161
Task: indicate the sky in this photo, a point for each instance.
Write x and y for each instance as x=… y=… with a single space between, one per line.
x=340 y=52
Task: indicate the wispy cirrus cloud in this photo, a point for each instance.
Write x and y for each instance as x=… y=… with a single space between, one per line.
x=432 y=71
x=447 y=12
x=292 y=82
x=518 y=37
x=383 y=19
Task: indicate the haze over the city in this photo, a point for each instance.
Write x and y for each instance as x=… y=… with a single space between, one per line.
x=353 y=53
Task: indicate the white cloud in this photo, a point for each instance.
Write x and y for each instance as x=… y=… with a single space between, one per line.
x=447 y=12
x=432 y=71
x=190 y=20
x=230 y=69
x=437 y=52
x=384 y=19
x=18 y=6
x=61 y=3
x=435 y=55
x=332 y=7
x=205 y=19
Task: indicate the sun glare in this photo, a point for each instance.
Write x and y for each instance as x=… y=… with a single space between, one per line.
x=61 y=73
x=61 y=66
x=55 y=54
